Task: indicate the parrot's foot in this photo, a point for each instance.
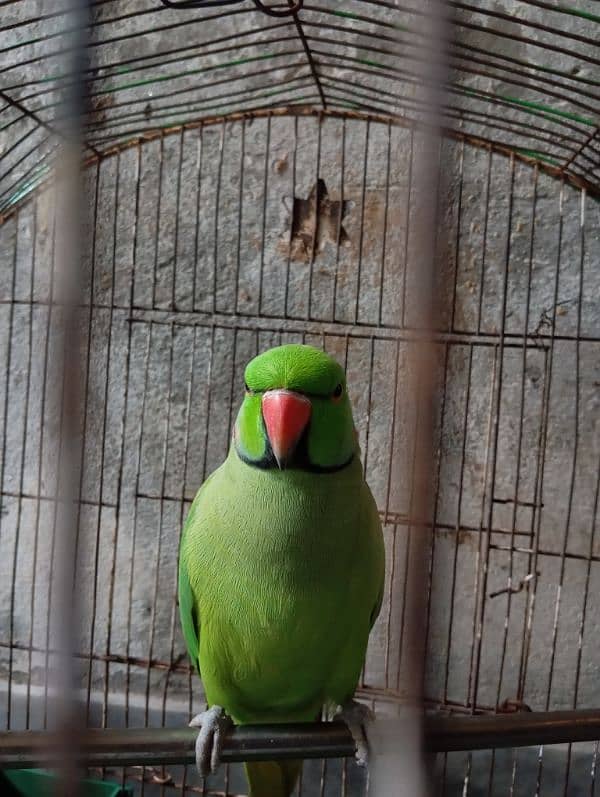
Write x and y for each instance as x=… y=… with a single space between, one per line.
x=357 y=717
x=213 y=724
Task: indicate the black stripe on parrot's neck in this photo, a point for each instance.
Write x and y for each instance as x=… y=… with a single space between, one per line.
x=300 y=460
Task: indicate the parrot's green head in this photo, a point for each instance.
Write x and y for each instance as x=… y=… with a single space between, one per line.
x=296 y=412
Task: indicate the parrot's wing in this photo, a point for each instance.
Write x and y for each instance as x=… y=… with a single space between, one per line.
x=377 y=607
x=188 y=606
x=379 y=552
x=190 y=621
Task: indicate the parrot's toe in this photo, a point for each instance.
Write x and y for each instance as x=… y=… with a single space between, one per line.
x=357 y=717
x=213 y=724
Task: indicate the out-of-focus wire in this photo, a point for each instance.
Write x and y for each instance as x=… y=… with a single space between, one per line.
x=69 y=201
x=398 y=763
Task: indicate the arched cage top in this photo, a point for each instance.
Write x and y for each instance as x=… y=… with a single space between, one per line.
x=523 y=78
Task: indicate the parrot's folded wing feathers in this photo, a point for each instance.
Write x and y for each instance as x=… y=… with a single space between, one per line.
x=189 y=616
x=379 y=547
x=188 y=606
x=376 y=608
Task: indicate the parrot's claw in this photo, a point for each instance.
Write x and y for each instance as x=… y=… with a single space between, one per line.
x=213 y=724
x=357 y=717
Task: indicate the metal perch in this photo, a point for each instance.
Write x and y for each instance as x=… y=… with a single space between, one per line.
x=164 y=746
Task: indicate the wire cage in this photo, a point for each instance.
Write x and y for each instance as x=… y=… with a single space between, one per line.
x=251 y=181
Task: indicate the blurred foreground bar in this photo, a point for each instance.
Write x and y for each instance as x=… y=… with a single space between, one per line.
x=156 y=746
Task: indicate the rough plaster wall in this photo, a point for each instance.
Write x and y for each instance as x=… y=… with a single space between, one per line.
x=161 y=398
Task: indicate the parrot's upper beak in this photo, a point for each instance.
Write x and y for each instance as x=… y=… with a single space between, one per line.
x=285 y=414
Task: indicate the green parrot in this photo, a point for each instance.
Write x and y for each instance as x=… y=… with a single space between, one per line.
x=281 y=564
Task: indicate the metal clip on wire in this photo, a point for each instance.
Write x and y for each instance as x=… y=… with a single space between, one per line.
x=272 y=11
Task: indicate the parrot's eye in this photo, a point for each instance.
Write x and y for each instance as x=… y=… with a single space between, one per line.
x=337 y=393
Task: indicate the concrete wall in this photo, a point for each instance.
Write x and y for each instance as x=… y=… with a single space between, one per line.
x=190 y=281
x=197 y=257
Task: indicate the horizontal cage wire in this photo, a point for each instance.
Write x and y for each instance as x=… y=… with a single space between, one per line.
x=251 y=181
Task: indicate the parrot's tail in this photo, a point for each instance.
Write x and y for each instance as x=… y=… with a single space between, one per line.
x=272 y=778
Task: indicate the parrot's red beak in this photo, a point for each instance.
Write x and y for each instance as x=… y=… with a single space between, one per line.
x=286 y=414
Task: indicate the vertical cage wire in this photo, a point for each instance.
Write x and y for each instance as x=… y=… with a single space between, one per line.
x=186 y=236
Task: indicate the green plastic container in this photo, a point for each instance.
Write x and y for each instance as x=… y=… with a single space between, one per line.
x=39 y=783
